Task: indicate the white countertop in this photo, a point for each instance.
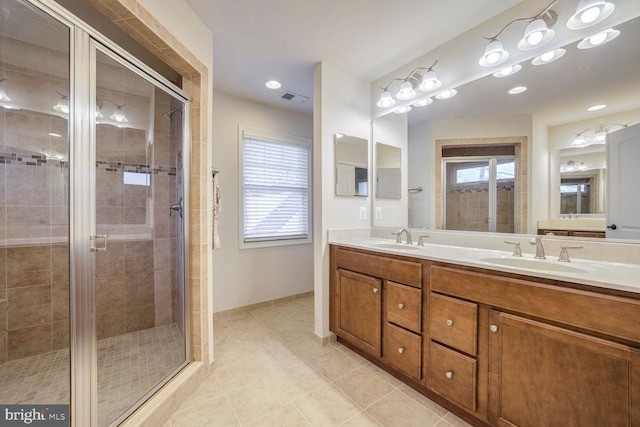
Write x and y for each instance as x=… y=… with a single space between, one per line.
x=608 y=275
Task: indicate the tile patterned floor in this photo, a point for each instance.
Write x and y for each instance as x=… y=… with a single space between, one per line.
x=269 y=371
x=128 y=365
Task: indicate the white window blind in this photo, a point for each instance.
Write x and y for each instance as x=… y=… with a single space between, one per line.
x=275 y=187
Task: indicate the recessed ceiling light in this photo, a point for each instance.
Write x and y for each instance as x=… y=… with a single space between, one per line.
x=273 y=84
x=517 y=89
x=597 y=107
x=55 y=135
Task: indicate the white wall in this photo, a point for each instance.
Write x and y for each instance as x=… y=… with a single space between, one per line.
x=420 y=165
x=538 y=197
x=341 y=104
x=392 y=130
x=249 y=276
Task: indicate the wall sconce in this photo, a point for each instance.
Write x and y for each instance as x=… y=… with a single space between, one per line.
x=537 y=33
x=590 y=12
x=425 y=83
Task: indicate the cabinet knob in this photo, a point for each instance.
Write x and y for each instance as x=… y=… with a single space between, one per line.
x=493 y=328
x=401 y=350
x=400 y=306
x=449 y=322
x=448 y=374
x=375 y=290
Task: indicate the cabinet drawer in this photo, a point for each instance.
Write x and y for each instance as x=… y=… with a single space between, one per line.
x=404 y=305
x=453 y=375
x=402 y=350
x=384 y=267
x=453 y=322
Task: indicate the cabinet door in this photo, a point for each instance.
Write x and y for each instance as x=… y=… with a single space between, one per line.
x=542 y=375
x=359 y=310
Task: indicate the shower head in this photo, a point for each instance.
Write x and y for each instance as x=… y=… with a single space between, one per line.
x=169 y=114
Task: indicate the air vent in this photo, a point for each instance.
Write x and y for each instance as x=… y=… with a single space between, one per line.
x=294 y=97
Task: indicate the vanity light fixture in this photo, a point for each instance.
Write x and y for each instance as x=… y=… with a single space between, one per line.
x=601 y=135
x=590 y=12
x=579 y=140
x=518 y=89
x=117 y=116
x=446 y=94
x=571 y=166
x=598 y=39
x=537 y=33
x=508 y=71
x=582 y=166
x=548 y=57
x=423 y=102
x=427 y=82
x=402 y=110
x=62 y=106
x=406 y=91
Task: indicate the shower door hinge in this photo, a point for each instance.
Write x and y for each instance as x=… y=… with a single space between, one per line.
x=102 y=237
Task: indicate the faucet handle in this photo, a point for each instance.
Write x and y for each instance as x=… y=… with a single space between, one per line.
x=398 y=237
x=564 y=253
x=517 y=251
x=421 y=238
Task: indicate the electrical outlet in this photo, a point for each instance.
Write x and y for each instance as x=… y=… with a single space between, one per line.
x=378 y=213
x=363 y=212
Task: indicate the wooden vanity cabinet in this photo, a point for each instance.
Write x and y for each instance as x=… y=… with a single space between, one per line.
x=376 y=306
x=496 y=348
x=554 y=355
x=543 y=375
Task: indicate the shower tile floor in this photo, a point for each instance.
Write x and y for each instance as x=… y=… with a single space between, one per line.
x=270 y=371
x=128 y=366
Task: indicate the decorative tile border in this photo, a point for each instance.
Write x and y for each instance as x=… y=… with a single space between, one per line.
x=40 y=160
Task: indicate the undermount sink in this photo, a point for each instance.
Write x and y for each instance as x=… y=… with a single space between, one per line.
x=396 y=246
x=533 y=264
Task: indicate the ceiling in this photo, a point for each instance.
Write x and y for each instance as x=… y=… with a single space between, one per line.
x=256 y=40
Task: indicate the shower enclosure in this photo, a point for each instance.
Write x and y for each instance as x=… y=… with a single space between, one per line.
x=92 y=233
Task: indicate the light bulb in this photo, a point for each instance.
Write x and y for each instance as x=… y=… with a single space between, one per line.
x=590 y=15
x=597 y=39
x=402 y=110
x=423 y=102
x=494 y=54
x=534 y=38
x=118 y=115
x=546 y=57
x=386 y=100
x=406 y=91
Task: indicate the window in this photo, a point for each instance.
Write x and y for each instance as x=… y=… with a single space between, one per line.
x=275 y=187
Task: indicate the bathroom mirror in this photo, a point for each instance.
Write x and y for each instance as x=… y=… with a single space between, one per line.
x=388 y=172
x=351 y=160
x=583 y=181
x=549 y=114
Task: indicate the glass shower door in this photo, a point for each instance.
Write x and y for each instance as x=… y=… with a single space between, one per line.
x=139 y=271
x=34 y=212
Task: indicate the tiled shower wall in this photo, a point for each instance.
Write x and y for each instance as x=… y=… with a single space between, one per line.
x=135 y=278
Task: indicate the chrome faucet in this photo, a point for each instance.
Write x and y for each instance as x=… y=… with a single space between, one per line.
x=539 y=247
x=399 y=236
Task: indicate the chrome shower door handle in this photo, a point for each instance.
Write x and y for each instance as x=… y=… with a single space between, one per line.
x=104 y=238
x=177 y=207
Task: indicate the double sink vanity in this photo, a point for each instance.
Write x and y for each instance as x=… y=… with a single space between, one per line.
x=497 y=338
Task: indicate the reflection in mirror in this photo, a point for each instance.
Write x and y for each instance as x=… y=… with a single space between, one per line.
x=582 y=180
x=551 y=114
x=388 y=172
x=352 y=156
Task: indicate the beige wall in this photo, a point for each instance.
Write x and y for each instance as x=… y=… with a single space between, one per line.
x=248 y=276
